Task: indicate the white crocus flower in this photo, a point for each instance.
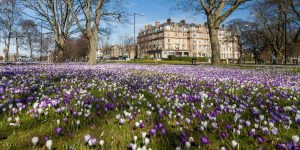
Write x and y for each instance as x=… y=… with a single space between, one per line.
x=178 y=148
x=35 y=140
x=147 y=140
x=188 y=145
x=234 y=144
x=87 y=137
x=101 y=142
x=295 y=138
x=49 y=144
x=135 y=138
x=144 y=134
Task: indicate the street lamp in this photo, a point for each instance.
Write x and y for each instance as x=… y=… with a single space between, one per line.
x=136 y=52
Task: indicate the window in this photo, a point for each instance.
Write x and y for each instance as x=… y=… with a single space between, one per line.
x=186 y=53
x=194 y=35
x=169 y=40
x=194 y=46
x=183 y=46
x=194 y=42
x=169 y=46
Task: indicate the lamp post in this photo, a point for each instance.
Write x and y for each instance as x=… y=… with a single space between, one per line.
x=136 y=51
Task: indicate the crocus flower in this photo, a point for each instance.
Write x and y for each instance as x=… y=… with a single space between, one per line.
x=260 y=140
x=101 y=142
x=147 y=140
x=234 y=144
x=121 y=121
x=49 y=144
x=132 y=146
x=295 y=138
x=35 y=140
x=87 y=138
x=144 y=134
x=223 y=135
x=187 y=144
x=58 y=130
x=204 y=140
x=135 y=138
x=92 y=142
x=152 y=132
x=163 y=131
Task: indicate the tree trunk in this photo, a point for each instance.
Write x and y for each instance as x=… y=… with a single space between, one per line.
x=17 y=46
x=92 y=47
x=297 y=36
x=215 y=45
x=60 y=48
x=30 y=46
x=93 y=42
x=8 y=41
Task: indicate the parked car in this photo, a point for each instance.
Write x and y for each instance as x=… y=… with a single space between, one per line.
x=24 y=59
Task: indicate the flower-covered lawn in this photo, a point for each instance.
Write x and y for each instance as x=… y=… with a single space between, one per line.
x=130 y=106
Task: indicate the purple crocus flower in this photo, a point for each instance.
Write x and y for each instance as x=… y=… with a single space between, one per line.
x=228 y=127
x=58 y=130
x=46 y=138
x=204 y=140
x=152 y=131
x=260 y=140
x=142 y=125
x=163 y=131
x=182 y=138
x=223 y=135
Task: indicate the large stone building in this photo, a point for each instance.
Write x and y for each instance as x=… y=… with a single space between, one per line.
x=183 y=40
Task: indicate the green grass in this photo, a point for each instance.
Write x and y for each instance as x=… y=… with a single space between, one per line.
x=119 y=136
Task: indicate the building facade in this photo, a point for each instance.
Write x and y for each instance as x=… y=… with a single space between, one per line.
x=183 y=40
x=116 y=52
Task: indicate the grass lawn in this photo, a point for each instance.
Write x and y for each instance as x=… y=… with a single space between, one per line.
x=127 y=105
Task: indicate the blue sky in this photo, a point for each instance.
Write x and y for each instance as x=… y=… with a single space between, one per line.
x=153 y=10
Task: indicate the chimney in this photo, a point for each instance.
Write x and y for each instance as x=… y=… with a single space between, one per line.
x=169 y=21
x=157 y=24
x=146 y=27
x=182 y=22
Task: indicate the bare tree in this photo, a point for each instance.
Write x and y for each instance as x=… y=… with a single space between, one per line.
x=216 y=12
x=18 y=37
x=9 y=14
x=93 y=12
x=270 y=16
x=77 y=48
x=104 y=45
x=238 y=28
x=295 y=7
x=30 y=34
x=57 y=18
x=254 y=40
x=125 y=41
